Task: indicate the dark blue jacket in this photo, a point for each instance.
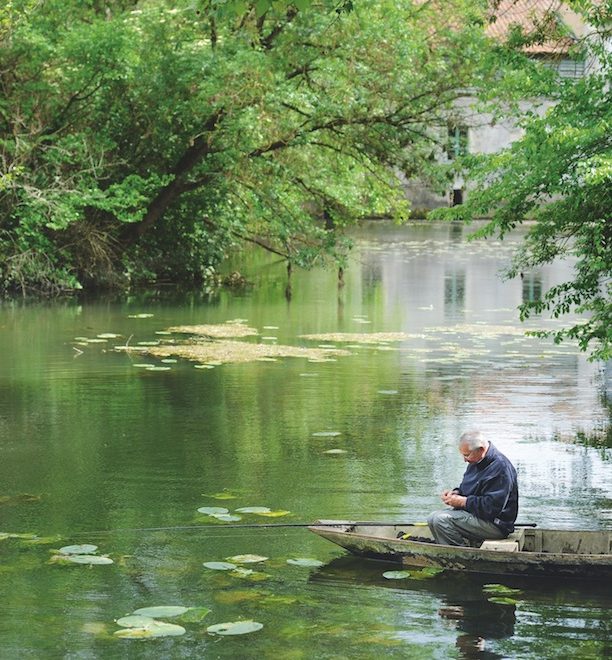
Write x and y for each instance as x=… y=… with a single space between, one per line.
x=491 y=489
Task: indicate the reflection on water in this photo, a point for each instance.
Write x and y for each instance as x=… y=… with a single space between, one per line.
x=90 y=442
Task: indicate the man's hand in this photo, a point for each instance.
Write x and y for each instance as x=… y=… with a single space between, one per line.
x=451 y=498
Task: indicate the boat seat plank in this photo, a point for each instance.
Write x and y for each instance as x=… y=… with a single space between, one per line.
x=502 y=545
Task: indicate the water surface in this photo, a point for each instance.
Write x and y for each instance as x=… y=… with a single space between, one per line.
x=109 y=453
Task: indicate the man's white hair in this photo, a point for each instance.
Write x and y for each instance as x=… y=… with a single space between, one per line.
x=473 y=440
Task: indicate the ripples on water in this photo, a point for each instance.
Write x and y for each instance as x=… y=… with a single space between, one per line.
x=107 y=446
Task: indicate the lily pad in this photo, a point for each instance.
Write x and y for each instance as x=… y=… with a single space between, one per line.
x=335 y=451
x=203 y=366
x=247 y=559
x=396 y=575
x=273 y=514
x=388 y=392
x=219 y=565
x=502 y=600
x=306 y=562
x=84 y=549
x=195 y=614
x=212 y=510
x=143 y=365
x=326 y=434
x=159 y=368
x=134 y=621
x=108 y=335
x=501 y=589
x=152 y=630
x=88 y=559
x=426 y=573
x=163 y=611
x=254 y=509
x=234 y=628
x=223 y=495
x=169 y=361
x=226 y=517
x=140 y=316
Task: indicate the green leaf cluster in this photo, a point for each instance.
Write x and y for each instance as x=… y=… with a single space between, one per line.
x=145 y=140
x=557 y=181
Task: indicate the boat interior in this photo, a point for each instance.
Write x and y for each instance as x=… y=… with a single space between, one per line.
x=524 y=539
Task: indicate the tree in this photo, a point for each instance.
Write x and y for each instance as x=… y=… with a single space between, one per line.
x=144 y=139
x=558 y=179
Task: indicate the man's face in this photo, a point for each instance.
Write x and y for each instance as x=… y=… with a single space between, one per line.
x=471 y=455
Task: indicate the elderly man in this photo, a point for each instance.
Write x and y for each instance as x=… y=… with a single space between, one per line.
x=485 y=504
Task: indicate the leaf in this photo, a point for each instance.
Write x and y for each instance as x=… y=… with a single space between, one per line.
x=162 y=611
x=234 y=628
x=335 y=451
x=84 y=549
x=326 y=434
x=134 y=621
x=88 y=559
x=223 y=495
x=195 y=614
x=227 y=517
x=247 y=559
x=495 y=588
x=396 y=575
x=502 y=600
x=212 y=510
x=254 y=509
x=219 y=565
x=154 y=629
x=273 y=514
x=306 y=562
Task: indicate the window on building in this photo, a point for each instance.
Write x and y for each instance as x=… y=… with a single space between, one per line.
x=570 y=68
x=457 y=143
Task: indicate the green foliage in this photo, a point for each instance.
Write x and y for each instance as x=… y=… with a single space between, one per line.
x=144 y=140
x=558 y=179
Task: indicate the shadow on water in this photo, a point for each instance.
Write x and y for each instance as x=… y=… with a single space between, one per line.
x=463 y=604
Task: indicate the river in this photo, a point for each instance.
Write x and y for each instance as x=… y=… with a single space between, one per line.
x=96 y=450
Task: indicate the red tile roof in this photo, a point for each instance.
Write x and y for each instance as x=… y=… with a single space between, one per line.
x=528 y=14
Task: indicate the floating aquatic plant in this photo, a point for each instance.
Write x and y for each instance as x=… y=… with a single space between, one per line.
x=83 y=549
x=396 y=575
x=217 y=331
x=212 y=510
x=247 y=559
x=151 y=630
x=230 y=351
x=219 y=565
x=501 y=589
x=306 y=562
x=163 y=611
x=273 y=514
x=234 y=628
x=223 y=495
x=91 y=560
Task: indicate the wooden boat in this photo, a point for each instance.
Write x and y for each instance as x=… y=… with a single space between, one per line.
x=583 y=554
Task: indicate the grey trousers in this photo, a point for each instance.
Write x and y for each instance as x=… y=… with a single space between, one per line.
x=458 y=527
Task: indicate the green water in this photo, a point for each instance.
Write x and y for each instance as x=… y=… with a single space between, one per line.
x=109 y=452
